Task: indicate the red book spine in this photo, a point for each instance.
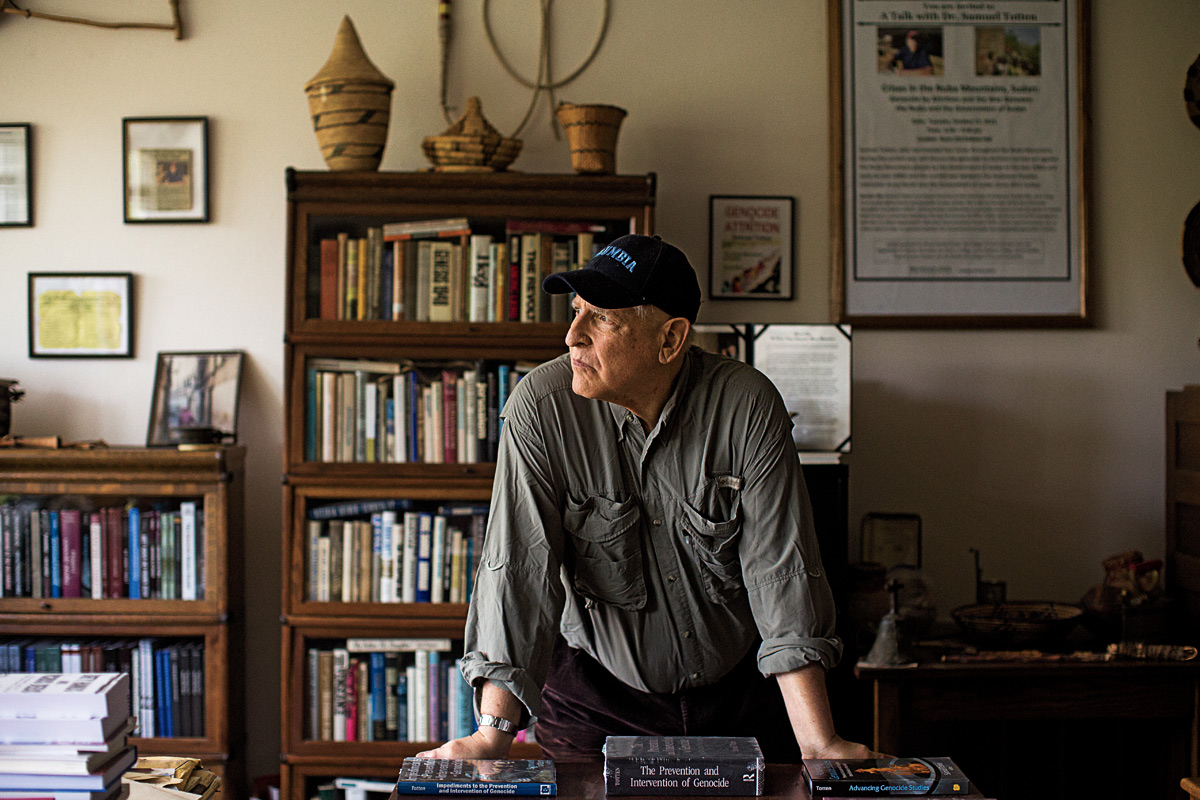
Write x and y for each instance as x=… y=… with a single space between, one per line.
x=514 y=277
x=72 y=551
x=352 y=702
x=329 y=278
x=112 y=559
x=449 y=416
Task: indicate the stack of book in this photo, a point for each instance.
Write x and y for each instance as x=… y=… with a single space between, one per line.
x=662 y=765
x=883 y=777
x=64 y=736
x=482 y=776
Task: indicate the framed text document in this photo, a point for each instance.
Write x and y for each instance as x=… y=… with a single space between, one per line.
x=960 y=200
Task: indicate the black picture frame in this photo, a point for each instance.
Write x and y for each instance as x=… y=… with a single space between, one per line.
x=751 y=247
x=195 y=398
x=16 y=175
x=80 y=314
x=165 y=169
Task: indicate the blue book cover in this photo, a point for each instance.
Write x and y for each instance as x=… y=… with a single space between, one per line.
x=502 y=371
x=310 y=414
x=415 y=434
x=389 y=429
x=133 y=530
x=524 y=777
x=401 y=706
x=160 y=694
x=55 y=556
x=85 y=552
x=378 y=729
x=464 y=509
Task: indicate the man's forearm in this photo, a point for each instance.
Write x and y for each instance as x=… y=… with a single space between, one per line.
x=499 y=702
x=808 y=708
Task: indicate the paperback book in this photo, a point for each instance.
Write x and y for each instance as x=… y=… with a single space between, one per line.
x=477 y=776
x=659 y=765
x=884 y=777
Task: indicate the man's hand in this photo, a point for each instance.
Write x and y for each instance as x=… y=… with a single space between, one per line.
x=837 y=747
x=483 y=743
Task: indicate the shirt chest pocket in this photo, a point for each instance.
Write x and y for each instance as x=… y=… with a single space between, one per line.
x=712 y=524
x=604 y=553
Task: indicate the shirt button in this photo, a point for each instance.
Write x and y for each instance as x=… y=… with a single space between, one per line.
x=671 y=578
x=658 y=522
x=687 y=634
x=695 y=676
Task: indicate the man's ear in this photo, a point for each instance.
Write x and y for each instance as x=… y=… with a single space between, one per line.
x=674 y=339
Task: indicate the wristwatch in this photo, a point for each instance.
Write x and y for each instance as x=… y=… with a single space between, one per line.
x=499 y=723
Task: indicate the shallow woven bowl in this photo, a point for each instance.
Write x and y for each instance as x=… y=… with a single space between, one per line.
x=470 y=153
x=1017 y=624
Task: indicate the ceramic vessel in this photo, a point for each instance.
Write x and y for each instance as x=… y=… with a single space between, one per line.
x=350 y=102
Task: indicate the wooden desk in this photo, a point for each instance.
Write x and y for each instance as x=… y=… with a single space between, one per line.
x=1047 y=729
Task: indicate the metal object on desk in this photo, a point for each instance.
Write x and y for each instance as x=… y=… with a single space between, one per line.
x=993 y=592
x=889 y=649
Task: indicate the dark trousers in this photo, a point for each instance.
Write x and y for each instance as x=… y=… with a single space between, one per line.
x=582 y=703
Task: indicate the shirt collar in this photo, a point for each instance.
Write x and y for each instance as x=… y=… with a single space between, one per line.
x=623 y=416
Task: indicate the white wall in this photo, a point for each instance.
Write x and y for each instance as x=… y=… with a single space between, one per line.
x=1042 y=448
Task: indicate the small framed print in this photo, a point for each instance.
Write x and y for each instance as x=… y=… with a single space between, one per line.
x=892 y=539
x=750 y=247
x=16 y=176
x=166 y=169
x=195 y=401
x=80 y=315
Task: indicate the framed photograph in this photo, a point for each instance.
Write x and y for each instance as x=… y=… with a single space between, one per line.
x=892 y=539
x=750 y=247
x=80 y=315
x=959 y=188
x=195 y=399
x=16 y=176
x=166 y=169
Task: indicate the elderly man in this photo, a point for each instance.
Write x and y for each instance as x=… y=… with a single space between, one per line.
x=650 y=561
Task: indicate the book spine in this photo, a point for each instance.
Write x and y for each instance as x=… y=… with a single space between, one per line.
x=329 y=279
x=481 y=245
x=424 y=555
x=187 y=549
x=680 y=776
x=69 y=526
x=479 y=787
x=55 y=555
x=513 y=309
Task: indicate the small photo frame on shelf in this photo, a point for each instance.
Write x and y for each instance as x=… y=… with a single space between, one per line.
x=750 y=251
x=80 y=315
x=195 y=402
x=16 y=176
x=165 y=169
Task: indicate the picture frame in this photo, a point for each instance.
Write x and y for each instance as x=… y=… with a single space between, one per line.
x=16 y=175
x=195 y=399
x=165 y=169
x=892 y=539
x=751 y=246
x=80 y=315
x=976 y=218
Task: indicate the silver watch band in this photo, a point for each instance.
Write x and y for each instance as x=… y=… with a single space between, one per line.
x=499 y=723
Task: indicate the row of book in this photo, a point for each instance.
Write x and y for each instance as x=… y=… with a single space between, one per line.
x=442 y=271
x=152 y=552
x=362 y=410
x=395 y=553
x=407 y=690
x=166 y=676
x=44 y=754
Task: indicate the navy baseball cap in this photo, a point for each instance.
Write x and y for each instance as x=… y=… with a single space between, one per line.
x=634 y=270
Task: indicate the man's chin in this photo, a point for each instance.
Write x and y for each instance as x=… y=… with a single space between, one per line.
x=582 y=387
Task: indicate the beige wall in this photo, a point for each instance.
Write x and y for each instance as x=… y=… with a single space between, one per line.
x=1042 y=448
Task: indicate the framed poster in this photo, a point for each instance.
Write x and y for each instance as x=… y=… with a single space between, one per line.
x=16 y=176
x=959 y=188
x=80 y=315
x=166 y=169
x=750 y=247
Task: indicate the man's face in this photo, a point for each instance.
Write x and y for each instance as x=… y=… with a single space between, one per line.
x=613 y=351
x=912 y=43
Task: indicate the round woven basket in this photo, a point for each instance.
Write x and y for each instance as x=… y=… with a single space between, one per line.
x=592 y=134
x=472 y=144
x=350 y=102
x=1017 y=624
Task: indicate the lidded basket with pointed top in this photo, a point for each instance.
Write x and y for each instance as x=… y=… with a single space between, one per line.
x=350 y=102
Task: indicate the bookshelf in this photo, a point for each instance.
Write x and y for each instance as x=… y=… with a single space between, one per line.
x=322 y=205
x=110 y=630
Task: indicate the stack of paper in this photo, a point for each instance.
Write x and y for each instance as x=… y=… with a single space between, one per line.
x=64 y=736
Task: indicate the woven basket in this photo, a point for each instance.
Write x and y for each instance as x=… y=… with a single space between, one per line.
x=592 y=134
x=350 y=102
x=471 y=144
x=1017 y=624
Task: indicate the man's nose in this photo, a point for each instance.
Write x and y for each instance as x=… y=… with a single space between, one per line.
x=575 y=334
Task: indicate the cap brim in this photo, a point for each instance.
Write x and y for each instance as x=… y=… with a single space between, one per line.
x=592 y=286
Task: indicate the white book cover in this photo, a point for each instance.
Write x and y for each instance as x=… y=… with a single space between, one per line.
x=145 y=660
x=341 y=662
x=481 y=271
x=322 y=584
x=471 y=417
x=420 y=696
x=387 y=564
x=410 y=708
x=64 y=695
x=369 y=419
x=408 y=587
x=96 y=543
x=328 y=384
x=350 y=577
x=401 y=413
x=437 y=561
x=187 y=549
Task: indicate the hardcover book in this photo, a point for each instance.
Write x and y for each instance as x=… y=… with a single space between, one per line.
x=662 y=765
x=884 y=777
x=477 y=776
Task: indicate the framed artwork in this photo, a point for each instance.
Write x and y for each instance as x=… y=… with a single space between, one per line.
x=750 y=250
x=195 y=399
x=80 y=315
x=165 y=169
x=16 y=176
x=959 y=188
x=892 y=539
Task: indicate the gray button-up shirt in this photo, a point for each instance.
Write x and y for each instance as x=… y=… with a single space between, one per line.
x=663 y=555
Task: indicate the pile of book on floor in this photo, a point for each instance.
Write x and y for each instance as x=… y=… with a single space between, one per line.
x=658 y=765
x=170 y=778
x=883 y=777
x=64 y=736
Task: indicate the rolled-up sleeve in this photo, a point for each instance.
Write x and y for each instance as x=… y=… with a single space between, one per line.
x=518 y=596
x=787 y=587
